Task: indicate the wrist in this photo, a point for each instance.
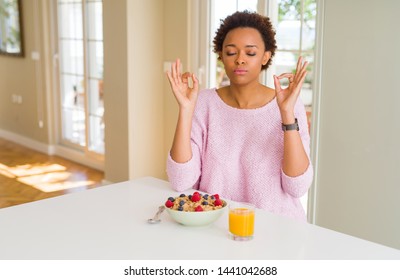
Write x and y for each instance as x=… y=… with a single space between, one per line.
x=186 y=112
x=288 y=118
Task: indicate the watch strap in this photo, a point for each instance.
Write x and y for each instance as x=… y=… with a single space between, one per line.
x=292 y=126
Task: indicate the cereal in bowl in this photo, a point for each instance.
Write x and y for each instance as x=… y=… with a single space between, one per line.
x=195 y=202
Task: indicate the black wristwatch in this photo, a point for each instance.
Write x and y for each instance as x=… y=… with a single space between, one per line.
x=292 y=126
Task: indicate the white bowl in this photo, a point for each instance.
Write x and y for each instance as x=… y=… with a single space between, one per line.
x=202 y=218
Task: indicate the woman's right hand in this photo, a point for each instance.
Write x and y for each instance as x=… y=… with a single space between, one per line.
x=184 y=94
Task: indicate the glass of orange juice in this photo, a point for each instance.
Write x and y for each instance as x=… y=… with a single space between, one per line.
x=241 y=220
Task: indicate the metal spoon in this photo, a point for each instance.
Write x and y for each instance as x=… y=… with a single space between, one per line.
x=156 y=219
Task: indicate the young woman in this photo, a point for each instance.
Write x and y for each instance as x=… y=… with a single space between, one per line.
x=245 y=141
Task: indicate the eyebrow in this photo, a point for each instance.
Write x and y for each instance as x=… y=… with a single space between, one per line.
x=247 y=46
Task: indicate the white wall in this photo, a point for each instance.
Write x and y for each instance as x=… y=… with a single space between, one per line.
x=116 y=77
x=145 y=88
x=134 y=87
x=358 y=175
x=176 y=40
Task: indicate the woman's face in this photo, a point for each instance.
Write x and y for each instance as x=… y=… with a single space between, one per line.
x=243 y=53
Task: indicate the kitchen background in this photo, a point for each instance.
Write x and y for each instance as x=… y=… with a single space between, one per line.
x=354 y=131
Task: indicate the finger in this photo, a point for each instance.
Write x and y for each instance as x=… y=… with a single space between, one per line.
x=173 y=72
x=172 y=83
x=277 y=84
x=185 y=77
x=299 y=64
x=301 y=67
x=305 y=65
x=289 y=76
x=169 y=76
x=303 y=77
x=285 y=75
x=170 y=79
x=195 y=83
x=298 y=85
x=178 y=67
x=300 y=71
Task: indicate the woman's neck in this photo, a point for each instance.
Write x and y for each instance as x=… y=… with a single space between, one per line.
x=246 y=97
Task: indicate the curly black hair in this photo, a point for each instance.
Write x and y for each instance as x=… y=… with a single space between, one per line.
x=247 y=19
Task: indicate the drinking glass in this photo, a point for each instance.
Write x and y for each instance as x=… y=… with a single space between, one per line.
x=241 y=221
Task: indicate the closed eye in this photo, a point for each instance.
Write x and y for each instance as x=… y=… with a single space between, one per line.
x=249 y=54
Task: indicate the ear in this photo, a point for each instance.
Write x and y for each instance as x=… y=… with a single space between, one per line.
x=220 y=56
x=266 y=57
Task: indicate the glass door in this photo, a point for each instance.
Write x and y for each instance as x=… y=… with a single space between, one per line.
x=80 y=41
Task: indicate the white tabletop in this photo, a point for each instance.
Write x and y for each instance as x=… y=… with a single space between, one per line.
x=110 y=222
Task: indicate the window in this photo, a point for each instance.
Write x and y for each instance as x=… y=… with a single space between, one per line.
x=295 y=34
x=80 y=41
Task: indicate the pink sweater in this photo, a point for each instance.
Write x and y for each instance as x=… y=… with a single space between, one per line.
x=238 y=154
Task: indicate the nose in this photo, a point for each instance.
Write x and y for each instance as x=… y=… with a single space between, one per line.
x=240 y=59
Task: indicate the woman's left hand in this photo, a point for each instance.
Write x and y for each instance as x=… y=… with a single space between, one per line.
x=287 y=97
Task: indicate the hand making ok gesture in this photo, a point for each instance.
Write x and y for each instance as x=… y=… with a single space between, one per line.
x=287 y=97
x=184 y=94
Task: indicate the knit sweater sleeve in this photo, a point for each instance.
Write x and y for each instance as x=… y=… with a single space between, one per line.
x=298 y=186
x=183 y=176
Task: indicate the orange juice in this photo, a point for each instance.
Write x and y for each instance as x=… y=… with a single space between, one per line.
x=241 y=222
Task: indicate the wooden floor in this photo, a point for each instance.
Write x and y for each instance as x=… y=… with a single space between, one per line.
x=27 y=175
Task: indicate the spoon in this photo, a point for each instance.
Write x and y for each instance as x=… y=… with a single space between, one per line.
x=156 y=219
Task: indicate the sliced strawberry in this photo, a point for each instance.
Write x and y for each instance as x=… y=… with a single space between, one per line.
x=216 y=196
x=198 y=208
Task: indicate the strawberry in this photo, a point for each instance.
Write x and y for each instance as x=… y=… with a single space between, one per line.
x=216 y=196
x=169 y=204
x=218 y=202
x=198 y=208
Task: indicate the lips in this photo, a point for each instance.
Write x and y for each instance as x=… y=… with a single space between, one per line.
x=240 y=71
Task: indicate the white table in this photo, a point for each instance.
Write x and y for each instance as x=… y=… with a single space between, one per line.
x=111 y=223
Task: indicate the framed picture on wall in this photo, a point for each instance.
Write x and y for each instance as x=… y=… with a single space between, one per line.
x=11 y=39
